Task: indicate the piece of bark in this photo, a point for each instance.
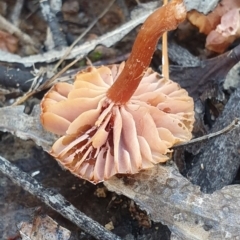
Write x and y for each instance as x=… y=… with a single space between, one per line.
x=232 y=81
x=219 y=161
x=25 y=126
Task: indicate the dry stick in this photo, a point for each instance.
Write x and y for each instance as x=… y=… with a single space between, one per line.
x=56 y=201
x=82 y=35
x=165 y=63
x=234 y=124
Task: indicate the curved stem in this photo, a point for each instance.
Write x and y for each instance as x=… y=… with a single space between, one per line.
x=163 y=19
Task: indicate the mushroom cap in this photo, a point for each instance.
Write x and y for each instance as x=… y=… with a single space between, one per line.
x=101 y=138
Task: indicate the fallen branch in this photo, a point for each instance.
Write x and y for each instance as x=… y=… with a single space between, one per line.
x=56 y=201
x=15 y=78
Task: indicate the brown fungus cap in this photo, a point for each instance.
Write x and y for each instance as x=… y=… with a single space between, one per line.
x=101 y=138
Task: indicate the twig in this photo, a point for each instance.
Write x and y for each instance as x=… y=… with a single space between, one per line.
x=9 y=27
x=57 y=35
x=82 y=35
x=56 y=201
x=234 y=124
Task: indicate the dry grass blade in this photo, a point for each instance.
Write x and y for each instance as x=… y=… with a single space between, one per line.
x=165 y=62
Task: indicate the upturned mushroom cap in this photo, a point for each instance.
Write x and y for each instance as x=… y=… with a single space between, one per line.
x=101 y=138
x=120 y=119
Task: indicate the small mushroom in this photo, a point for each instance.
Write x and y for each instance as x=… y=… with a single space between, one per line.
x=120 y=118
x=226 y=32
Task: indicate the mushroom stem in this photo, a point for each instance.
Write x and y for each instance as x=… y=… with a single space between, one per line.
x=164 y=19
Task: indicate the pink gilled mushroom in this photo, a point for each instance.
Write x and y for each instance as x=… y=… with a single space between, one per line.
x=120 y=118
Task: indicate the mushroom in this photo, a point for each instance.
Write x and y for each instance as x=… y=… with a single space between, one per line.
x=226 y=32
x=221 y=25
x=120 y=118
